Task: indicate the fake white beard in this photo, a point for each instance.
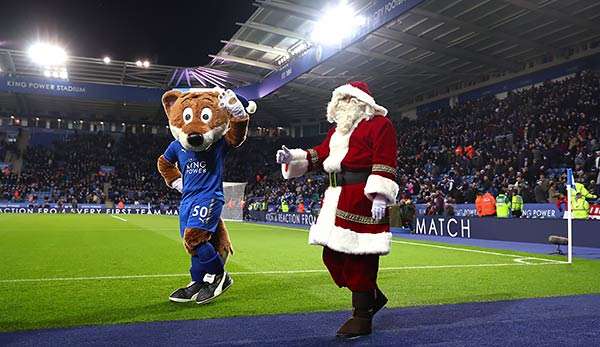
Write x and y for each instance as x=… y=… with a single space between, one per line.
x=347 y=113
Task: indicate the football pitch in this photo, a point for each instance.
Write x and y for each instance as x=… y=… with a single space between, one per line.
x=72 y=270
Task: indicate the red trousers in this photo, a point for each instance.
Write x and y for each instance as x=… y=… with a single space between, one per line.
x=355 y=271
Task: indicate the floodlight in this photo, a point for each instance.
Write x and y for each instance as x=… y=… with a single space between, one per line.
x=337 y=24
x=46 y=54
x=106 y=60
x=146 y=64
x=55 y=74
x=63 y=74
x=138 y=63
x=47 y=73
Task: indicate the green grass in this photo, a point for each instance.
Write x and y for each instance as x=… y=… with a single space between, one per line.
x=42 y=247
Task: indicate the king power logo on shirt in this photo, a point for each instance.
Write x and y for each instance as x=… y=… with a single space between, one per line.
x=195 y=167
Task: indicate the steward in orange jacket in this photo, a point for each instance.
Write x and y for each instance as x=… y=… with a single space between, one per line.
x=485 y=205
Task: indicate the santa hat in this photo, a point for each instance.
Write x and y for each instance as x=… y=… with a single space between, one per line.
x=360 y=90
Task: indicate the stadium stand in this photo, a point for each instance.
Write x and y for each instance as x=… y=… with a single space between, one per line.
x=447 y=156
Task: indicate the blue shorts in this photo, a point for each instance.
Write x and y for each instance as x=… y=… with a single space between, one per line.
x=199 y=212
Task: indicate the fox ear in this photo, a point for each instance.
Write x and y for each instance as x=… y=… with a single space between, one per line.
x=169 y=98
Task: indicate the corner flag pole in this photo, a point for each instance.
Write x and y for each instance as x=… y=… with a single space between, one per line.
x=570 y=185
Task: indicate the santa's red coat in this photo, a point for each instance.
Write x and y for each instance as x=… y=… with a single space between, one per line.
x=344 y=223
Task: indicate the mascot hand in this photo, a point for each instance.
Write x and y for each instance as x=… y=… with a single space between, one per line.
x=283 y=156
x=379 y=206
x=177 y=185
x=229 y=101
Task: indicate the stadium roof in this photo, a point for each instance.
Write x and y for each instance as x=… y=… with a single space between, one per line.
x=435 y=47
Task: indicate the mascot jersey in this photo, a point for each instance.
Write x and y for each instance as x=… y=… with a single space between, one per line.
x=202 y=172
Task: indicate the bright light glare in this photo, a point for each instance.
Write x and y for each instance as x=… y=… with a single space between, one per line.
x=138 y=63
x=46 y=54
x=146 y=64
x=336 y=24
x=106 y=60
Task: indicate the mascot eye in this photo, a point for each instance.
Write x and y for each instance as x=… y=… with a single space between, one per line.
x=188 y=114
x=206 y=114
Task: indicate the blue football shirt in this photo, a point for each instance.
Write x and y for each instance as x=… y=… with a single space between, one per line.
x=202 y=171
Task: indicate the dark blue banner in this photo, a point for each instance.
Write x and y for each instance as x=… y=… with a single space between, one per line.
x=585 y=232
x=529 y=210
x=281 y=217
x=33 y=85
x=6 y=208
x=377 y=15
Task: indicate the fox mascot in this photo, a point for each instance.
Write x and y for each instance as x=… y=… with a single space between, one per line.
x=206 y=124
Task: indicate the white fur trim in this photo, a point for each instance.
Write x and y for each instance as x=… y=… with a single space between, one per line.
x=298 y=154
x=325 y=233
x=348 y=89
x=377 y=184
x=295 y=168
x=338 y=148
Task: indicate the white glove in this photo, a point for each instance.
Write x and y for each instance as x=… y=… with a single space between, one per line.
x=379 y=207
x=283 y=156
x=229 y=101
x=177 y=185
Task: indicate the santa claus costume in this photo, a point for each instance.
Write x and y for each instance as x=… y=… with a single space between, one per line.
x=359 y=157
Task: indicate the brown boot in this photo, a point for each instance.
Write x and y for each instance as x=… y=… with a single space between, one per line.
x=380 y=301
x=360 y=323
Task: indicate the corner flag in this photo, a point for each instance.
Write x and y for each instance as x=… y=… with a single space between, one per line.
x=570 y=185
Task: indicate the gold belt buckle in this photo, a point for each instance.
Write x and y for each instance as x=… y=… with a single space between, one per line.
x=332 y=179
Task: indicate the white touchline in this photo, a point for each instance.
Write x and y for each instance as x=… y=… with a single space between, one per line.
x=475 y=251
x=119 y=218
x=273 y=272
x=435 y=246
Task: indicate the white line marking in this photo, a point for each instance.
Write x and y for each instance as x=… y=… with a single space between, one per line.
x=474 y=251
x=430 y=245
x=119 y=218
x=273 y=272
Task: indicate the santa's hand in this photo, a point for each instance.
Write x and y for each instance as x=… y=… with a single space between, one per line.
x=283 y=156
x=229 y=101
x=177 y=185
x=379 y=207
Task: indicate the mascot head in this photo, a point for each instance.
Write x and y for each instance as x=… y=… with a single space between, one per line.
x=351 y=103
x=200 y=117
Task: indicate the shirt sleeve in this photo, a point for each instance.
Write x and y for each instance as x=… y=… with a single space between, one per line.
x=171 y=152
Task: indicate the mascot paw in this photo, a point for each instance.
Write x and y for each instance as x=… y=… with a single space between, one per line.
x=192 y=238
x=229 y=101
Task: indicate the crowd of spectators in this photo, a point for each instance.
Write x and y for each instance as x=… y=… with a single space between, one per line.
x=517 y=144
x=514 y=144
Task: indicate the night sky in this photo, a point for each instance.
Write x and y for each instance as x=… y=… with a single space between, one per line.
x=166 y=32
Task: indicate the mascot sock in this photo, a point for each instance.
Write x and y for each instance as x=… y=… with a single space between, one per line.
x=206 y=261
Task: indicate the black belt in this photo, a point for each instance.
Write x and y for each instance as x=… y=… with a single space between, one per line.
x=338 y=179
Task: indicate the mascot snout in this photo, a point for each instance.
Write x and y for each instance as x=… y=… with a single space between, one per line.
x=195 y=139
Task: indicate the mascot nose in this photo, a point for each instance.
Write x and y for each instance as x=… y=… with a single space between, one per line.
x=195 y=139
